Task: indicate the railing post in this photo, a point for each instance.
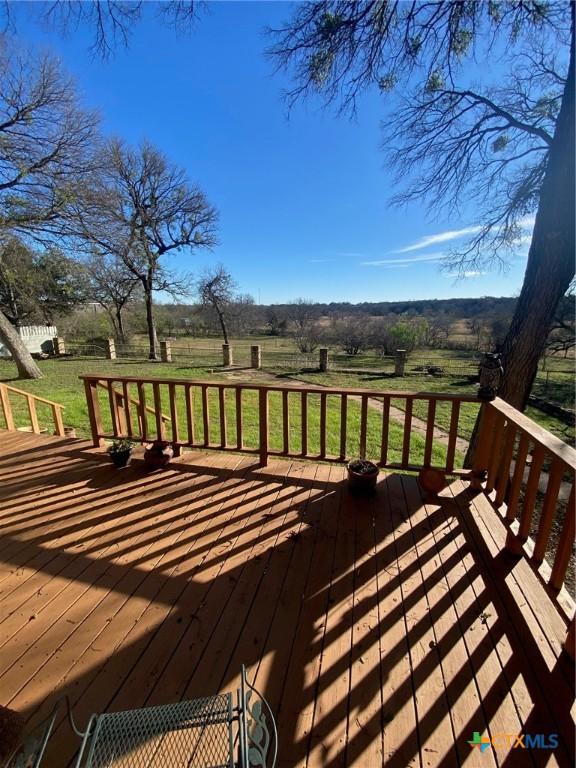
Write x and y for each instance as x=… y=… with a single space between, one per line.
x=7 y=408
x=110 y=349
x=227 y=356
x=323 y=362
x=263 y=420
x=91 y=388
x=570 y=642
x=166 y=351
x=256 y=356
x=484 y=446
x=58 y=345
x=400 y=357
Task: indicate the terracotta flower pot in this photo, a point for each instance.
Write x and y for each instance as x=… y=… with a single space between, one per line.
x=362 y=476
x=158 y=454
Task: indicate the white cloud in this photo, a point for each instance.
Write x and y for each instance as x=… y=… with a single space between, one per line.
x=468 y=273
x=440 y=237
x=318 y=261
x=405 y=262
x=527 y=222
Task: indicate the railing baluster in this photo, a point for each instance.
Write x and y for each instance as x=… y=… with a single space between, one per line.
x=323 y=407
x=505 y=460
x=565 y=544
x=205 y=415
x=222 y=407
x=385 y=427
x=160 y=432
x=188 y=399
x=143 y=416
x=429 y=433
x=58 y=422
x=113 y=400
x=263 y=424
x=548 y=510
x=495 y=455
x=239 y=436
x=173 y=413
x=33 y=415
x=285 y=423
x=363 y=425
x=530 y=494
x=304 y=402
x=517 y=477
x=452 y=435
x=343 y=425
x=127 y=410
x=7 y=408
x=407 y=433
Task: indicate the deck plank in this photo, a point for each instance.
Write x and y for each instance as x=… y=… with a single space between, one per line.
x=384 y=631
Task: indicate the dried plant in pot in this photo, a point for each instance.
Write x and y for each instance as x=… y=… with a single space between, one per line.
x=157 y=454
x=362 y=476
x=120 y=452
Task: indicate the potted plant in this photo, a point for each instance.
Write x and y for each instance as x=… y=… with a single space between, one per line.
x=120 y=452
x=157 y=454
x=362 y=476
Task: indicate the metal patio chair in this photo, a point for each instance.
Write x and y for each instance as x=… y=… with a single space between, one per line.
x=213 y=732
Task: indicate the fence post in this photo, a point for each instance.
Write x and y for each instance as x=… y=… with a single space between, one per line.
x=227 y=357
x=400 y=362
x=110 y=349
x=323 y=359
x=256 y=356
x=58 y=345
x=166 y=351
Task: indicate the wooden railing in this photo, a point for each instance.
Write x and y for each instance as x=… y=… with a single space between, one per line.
x=7 y=391
x=530 y=480
x=307 y=422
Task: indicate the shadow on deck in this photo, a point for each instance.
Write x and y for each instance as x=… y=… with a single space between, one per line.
x=381 y=631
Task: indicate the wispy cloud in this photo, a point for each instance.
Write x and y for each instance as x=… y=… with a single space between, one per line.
x=527 y=222
x=468 y=273
x=405 y=262
x=440 y=237
x=318 y=261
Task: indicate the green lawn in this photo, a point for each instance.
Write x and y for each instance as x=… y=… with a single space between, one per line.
x=61 y=384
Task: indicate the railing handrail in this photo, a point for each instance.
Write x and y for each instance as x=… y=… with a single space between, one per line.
x=31 y=400
x=307 y=388
x=32 y=395
x=553 y=445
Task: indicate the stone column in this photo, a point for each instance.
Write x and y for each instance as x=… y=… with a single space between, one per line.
x=110 y=349
x=166 y=351
x=400 y=358
x=323 y=359
x=58 y=345
x=227 y=357
x=256 y=356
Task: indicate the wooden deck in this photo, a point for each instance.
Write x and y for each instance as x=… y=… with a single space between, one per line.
x=382 y=632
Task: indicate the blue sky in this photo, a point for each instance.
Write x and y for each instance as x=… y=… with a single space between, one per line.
x=302 y=200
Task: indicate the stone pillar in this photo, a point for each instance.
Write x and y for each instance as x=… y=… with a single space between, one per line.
x=227 y=357
x=58 y=345
x=166 y=351
x=110 y=349
x=256 y=356
x=323 y=359
x=400 y=358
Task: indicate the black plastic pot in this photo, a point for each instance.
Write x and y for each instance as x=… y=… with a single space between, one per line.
x=362 y=477
x=121 y=458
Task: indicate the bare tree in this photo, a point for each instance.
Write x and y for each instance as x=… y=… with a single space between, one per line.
x=217 y=289
x=303 y=317
x=111 y=21
x=113 y=286
x=508 y=150
x=142 y=209
x=46 y=147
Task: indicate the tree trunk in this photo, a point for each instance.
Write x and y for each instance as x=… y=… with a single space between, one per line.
x=222 y=324
x=550 y=267
x=120 y=325
x=27 y=368
x=152 y=336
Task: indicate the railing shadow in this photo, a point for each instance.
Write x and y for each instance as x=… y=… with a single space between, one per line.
x=342 y=607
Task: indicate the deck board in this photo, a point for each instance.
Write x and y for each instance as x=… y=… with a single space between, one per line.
x=383 y=631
